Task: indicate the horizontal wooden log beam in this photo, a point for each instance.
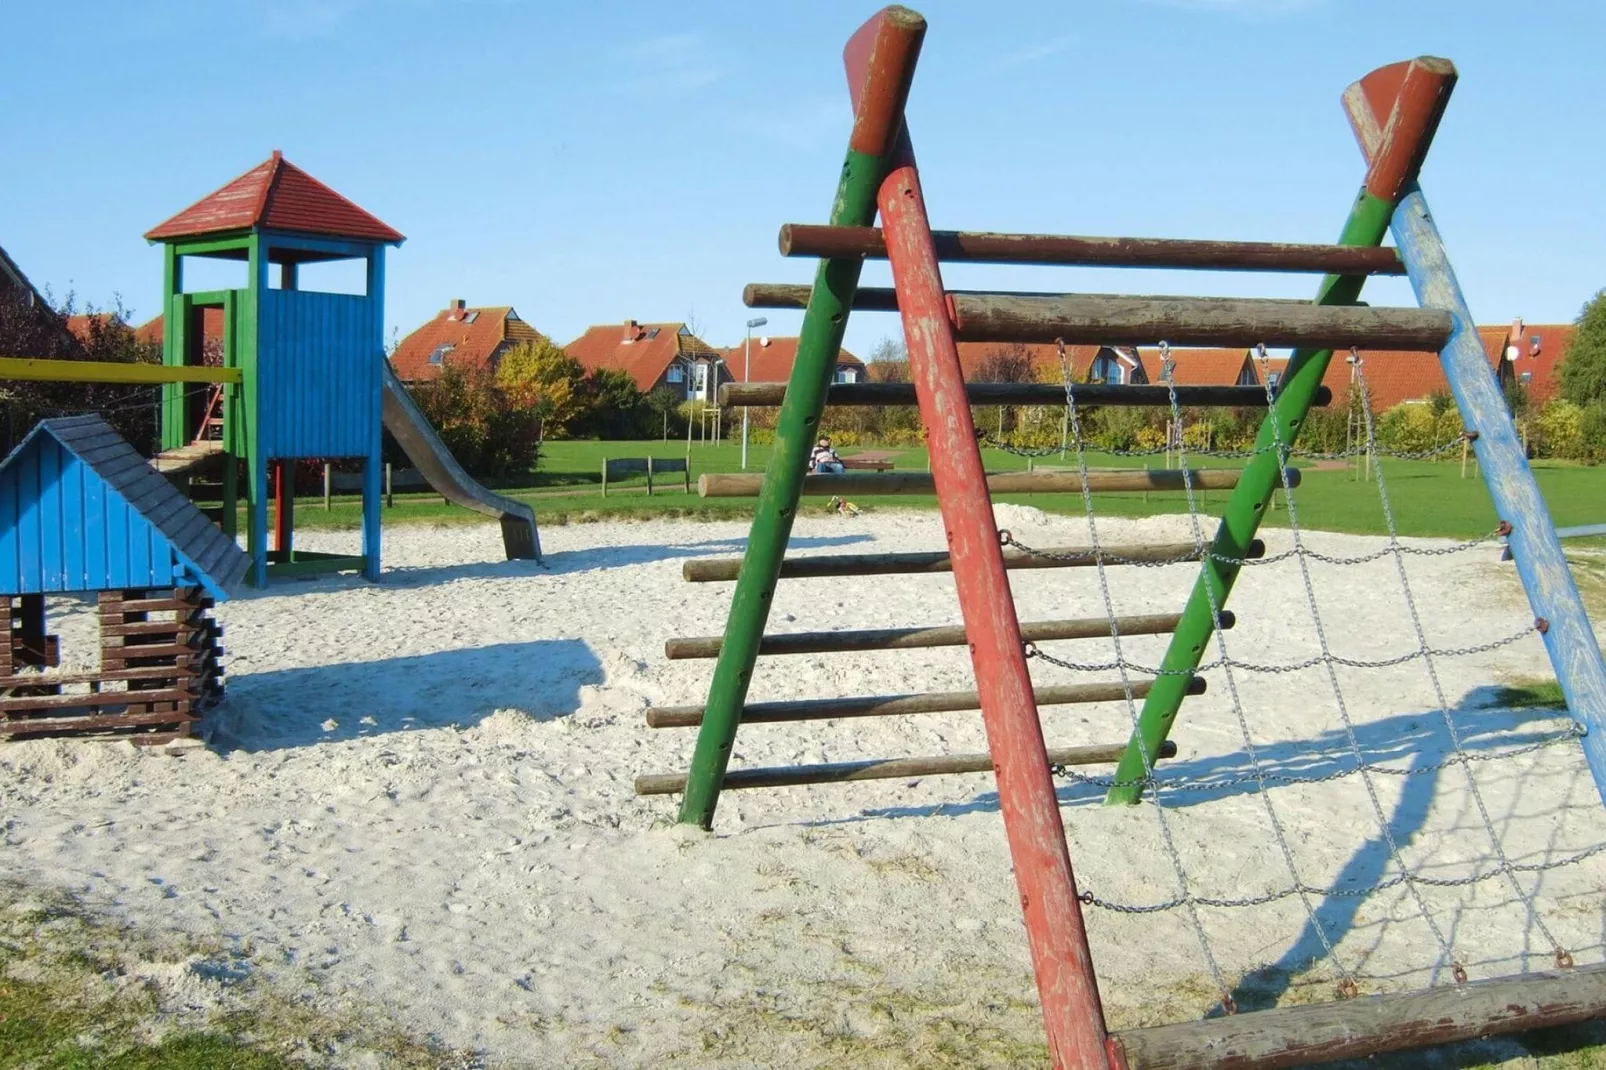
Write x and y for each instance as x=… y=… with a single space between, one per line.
x=718 y=569
x=858 y=640
x=959 y=246
x=153 y=672
x=871 y=484
x=885 y=299
x=1191 y=321
x=1371 y=1025
x=33 y=703
x=825 y=709
x=1091 y=395
x=31 y=369
x=877 y=769
x=37 y=725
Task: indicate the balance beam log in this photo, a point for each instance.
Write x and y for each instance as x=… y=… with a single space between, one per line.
x=1083 y=319
x=718 y=569
x=825 y=709
x=781 y=776
x=1371 y=1025
x=956 y=246
x=861 y=484
x=1090 y=395
x=923 y=638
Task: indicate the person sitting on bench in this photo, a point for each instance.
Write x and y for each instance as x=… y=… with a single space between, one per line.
x=824 y=460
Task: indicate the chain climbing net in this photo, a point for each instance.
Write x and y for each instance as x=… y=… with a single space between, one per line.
x=1402 y=853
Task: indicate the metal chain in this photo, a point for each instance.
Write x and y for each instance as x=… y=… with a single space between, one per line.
x=1571 y=733
x=1202 y=551
x=1403 y=878
x=1527 y=899
x=1073 y=421
x=1326 y=657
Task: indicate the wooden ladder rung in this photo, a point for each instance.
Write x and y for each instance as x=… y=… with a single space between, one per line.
x=823 y=709
x=802 y=239
x=881 y=769
x=1040 y=394
x=720 y=569
x=870 y=484
x=707 y=646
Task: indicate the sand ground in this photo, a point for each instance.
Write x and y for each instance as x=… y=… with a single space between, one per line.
x=418 y=796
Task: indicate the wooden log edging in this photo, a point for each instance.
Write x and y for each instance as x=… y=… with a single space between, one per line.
x=805 y=239
x=1370 y=1025
x=865 y=639
x=719 y=569
x=780 y=776
x=872 y=484
x=823 y=709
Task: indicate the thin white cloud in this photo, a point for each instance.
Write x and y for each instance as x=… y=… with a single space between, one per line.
x=1034 y=53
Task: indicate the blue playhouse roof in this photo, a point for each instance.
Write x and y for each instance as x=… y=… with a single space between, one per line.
x=81 y=510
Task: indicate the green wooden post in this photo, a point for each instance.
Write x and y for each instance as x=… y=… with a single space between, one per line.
x=1367 y=225
x=824 y=322
x=172 y=349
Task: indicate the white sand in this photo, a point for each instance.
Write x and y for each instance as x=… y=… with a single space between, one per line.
x=420 y=797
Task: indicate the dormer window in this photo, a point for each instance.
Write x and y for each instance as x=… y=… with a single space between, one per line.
x=439 y=353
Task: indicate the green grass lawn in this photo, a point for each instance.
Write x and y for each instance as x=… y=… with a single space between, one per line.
x=1429 y=499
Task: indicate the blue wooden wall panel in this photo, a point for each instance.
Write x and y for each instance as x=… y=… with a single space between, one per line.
x=10 y=562
x=28 y=521
x=317 y=373
x=52 y=574
x=74 y=536
x=95 y=535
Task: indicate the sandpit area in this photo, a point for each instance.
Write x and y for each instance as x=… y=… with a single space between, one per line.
x=418 y=798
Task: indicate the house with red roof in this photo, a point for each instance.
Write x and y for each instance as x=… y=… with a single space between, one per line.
x=1088 y=364
x=467 y=337
x=772 y=359
x=655 y=355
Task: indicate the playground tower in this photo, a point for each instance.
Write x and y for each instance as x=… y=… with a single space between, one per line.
x=311 y=363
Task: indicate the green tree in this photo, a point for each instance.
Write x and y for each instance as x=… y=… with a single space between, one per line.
x=1583 y=365
x=541 y=377
x=612 y=406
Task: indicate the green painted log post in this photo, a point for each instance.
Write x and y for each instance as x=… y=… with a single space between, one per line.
x=1367 y=225
x=887 y=47
x=818 y=345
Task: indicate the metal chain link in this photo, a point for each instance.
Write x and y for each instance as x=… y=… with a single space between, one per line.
x=1073 y=422
x=1202 y=551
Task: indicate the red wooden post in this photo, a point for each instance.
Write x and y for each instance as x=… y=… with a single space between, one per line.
x=281 y=530
x=1066 y=984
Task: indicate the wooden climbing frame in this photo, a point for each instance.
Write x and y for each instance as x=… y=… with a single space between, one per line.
x=1395 y=111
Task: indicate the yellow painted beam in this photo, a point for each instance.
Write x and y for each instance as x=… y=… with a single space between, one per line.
x=92 y=371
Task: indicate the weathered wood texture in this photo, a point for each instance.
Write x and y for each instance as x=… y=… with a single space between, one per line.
x=718 y=569
x=803 y=239
x=782 y=776
x=885 y=299
x=1192 y=321
x=742 y=485
x=159 y=669
x=824 y=709
x=707 y=646
x=1358 y=1028
x=1091 y=395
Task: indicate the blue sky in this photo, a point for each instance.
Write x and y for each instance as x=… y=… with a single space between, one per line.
x=593 y=162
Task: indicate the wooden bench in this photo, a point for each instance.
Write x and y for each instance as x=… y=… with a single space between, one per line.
x=614 y=467
x=858 y=464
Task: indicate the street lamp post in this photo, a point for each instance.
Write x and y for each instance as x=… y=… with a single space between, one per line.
x=747 y=369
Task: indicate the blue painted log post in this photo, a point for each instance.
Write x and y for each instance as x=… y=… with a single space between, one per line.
x=1569 y=639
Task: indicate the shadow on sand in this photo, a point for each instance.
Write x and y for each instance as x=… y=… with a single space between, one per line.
x=1417 y=744
x=330 y=703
